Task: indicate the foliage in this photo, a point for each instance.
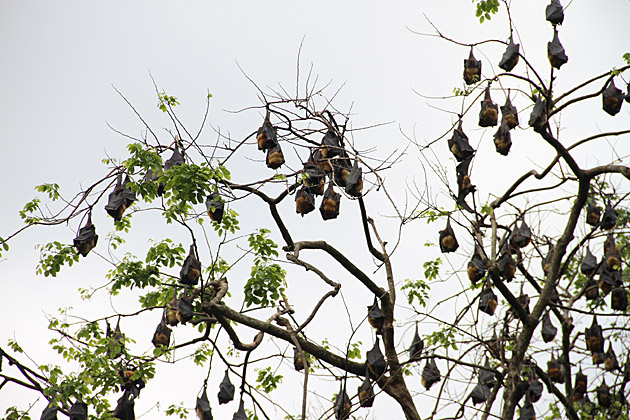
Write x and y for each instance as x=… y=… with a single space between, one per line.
x=486 y=8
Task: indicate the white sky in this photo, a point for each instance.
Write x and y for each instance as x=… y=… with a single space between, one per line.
x=60 y=60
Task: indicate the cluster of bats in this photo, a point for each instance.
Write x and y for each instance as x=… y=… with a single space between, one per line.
x=612 y=99
x=608 y=270
x=178 y=310
x=130 y=385
x=376 y=366
x=329 y=160
x=610 y=282
x=121 y=198
x=225 y=395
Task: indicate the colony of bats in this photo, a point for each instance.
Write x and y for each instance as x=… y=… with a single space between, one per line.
x=603 y=278
x=326 y=167
x=331 y=166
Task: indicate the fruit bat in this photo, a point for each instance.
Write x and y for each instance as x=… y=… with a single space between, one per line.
x=589 y=264
x=581 y=381
x=354 y=182
x=591 y=289
x=610 y=359
x=521 y=236
x=170 y=312
x=554 y=297
x=619 y=299
x=184 y=309
x=150 y=176
x=458 y=144
x=417 y=345
x=448 y=242
x=510 y=56
x=375 y=360
x=603 y=394
x=331 y=145
x=472 y=69
x=117 y=338
x=341 y=169
x=132 y=387
x=314 y=179
x=162 y=335
x=554 y=371
x=298 y=360
x=275 y=158
x=535 y=389
x=506 y=264
x=555 y=52
x=503 y=139
x=489 y=113
x=203 y=407
x=523 y=300
x=546 y=262
x=488 y=301
x=215 y=207
x=476 y=268
x=304 y=202
x=626 y=370
x=87 y=237
x=480 y=393
x=607 y=280
x=554 y=13
x=598 y=357
x=240 y=414
x=430 y=374
x=78 y=411
x=49 y=413
x=486 y=376
x=366 y=393
x=494 y=345
x=376 y=317
x=124 y=407
x=548 y=330
x=330 y=203
x=527 y=412
x=594 y=338
x=509 y=114
x=324 y=164
x=538 y=117
x=191 y=269
x=612 y=253
x=226 y=390
x=120 y=199
x=612 y=99
x=266 y=135
x=609 y=218
x=342 y=405
x=175 y=160
x=464 y=185
x=592 y=213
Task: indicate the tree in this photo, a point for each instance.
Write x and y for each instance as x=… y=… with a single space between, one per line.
x=529 y=239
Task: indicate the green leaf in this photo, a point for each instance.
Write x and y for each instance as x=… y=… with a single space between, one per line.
x=53 y=256
x=416 y=289
x=266 y=380
x=265 y=284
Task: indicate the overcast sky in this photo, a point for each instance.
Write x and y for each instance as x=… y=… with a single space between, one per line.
x=60 y=61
